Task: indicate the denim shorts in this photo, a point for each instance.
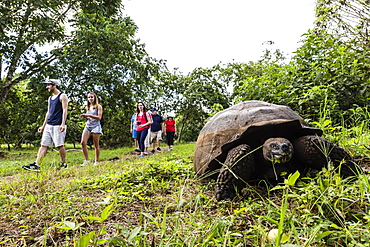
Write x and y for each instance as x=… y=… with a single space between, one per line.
x=134 y=134
x=96 y=130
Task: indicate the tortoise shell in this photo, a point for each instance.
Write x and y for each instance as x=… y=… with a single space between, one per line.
x=250 y=122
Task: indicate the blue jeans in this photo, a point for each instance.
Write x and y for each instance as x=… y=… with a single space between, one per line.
x=141 y=135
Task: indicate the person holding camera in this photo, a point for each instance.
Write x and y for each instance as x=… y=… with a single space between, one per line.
x=143 y=121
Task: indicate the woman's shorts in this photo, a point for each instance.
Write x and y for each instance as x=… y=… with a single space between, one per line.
x=134 y=135
x=96 y=130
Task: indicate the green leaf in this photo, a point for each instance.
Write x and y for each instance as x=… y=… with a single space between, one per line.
x=134 y=233
x=93 y=218
x=292 y=178
x=84 y=241
x=106 y=212
x=69 y=225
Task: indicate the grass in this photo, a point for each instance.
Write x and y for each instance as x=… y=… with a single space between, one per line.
x=158 y=201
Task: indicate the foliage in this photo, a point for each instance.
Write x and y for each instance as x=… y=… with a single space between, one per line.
x=345 y=18
x=324 y=70
x=23 y=26
x=114 y=64
x=192 y=97
x=158 y=201
x=342 y=67
x=94 y=50
x=19 y=123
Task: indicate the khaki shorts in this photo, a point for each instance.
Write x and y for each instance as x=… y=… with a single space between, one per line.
x=147 y=140
x=155 y=136
x=52 y=134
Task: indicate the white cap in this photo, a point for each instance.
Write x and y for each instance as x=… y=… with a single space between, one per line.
x=52 y=81
x=171 y=114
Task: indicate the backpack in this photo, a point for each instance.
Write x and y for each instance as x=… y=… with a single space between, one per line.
x=101 y=120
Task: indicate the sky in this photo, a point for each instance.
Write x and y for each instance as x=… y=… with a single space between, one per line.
x=202 y=33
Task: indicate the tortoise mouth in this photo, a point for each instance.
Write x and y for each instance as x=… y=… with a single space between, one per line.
x=279 y=158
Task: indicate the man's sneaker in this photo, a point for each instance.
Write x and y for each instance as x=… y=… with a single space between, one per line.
x=146 y=153
x=153 y=151
x=32 y=167
x=159 y=149
x=63 y=165
x=170 y=149
x=137 y=150
x=86 y=162
x=141 y=156
x=96 y=163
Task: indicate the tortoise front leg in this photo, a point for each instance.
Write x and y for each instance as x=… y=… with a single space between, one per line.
x=316 y=152
x=236 y=171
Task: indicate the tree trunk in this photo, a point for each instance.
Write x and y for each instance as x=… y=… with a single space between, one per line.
x=4 y=92
x=184 y=120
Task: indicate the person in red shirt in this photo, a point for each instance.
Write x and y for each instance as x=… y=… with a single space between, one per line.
x=170 y=130
x=143 y=121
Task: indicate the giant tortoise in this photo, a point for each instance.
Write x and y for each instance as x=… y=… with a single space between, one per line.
x=256 y=140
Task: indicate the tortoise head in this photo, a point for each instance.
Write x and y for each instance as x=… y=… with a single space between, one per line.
x=277 y=150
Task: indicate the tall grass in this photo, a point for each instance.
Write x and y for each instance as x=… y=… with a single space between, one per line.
x=158 y=201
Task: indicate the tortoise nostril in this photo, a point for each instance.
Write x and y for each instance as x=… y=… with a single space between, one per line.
x=285 y=147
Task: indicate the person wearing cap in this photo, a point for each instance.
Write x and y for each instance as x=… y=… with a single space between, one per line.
x=156 y=130
x=170 y=130
x=54 y=127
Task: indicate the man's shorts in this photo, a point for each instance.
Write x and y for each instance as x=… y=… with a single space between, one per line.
x=156 y=135
x=52 y=134
x=96 y=130
x=134 y=135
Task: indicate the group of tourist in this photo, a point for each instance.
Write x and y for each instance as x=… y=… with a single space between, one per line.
x=145 y=126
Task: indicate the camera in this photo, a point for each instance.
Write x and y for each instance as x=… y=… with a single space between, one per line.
x=138 y=122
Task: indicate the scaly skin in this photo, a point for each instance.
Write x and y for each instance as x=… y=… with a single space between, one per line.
x=237 y=169
x=309 y=152
x=316 y=152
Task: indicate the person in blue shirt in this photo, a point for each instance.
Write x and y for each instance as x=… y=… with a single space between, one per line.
x=133 y=132
x=156 y=130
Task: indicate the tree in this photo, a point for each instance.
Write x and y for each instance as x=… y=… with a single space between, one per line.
x=349 y=18
x=24 y=25
x=95 y=50
x=18 y=121
x=192 y=98
x=79 y=29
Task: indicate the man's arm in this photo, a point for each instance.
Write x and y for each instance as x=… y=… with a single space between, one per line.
x=64 y=100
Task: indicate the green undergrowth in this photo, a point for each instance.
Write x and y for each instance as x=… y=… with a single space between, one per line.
x=158 y=201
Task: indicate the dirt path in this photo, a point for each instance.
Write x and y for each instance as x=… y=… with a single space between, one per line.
x=130 y=155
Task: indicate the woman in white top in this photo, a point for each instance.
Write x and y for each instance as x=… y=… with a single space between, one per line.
x=93 y=127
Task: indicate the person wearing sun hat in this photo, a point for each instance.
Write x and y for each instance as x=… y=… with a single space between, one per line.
x=54 y=127
x=170 y=130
